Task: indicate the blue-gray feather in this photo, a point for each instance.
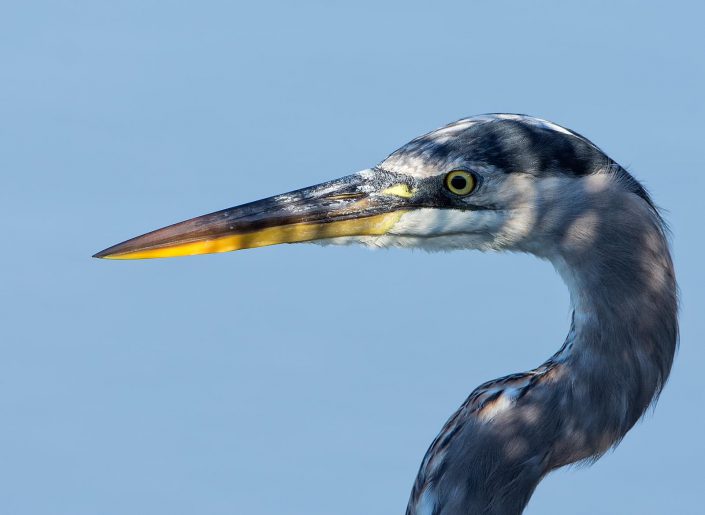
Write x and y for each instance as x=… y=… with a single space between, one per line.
x=610 y=245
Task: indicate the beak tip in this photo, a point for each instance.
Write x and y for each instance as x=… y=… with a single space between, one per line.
x=104 y=254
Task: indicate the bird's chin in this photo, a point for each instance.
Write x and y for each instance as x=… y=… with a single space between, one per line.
x=429 y=243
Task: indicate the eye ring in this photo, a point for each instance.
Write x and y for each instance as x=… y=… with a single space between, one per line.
x=460 y=182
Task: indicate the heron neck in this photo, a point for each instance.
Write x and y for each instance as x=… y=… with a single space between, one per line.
x=620 y=349
x=510 y=432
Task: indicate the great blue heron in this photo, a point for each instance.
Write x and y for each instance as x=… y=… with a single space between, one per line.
x=498 y=182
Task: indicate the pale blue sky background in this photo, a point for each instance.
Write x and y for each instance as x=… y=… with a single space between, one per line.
x=300 y=379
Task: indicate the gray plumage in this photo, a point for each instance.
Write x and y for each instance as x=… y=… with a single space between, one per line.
x=609 y=244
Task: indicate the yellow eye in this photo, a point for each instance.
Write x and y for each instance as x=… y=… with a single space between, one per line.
x=460 y=182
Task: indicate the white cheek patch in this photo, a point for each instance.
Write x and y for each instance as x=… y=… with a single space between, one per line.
x=430 y=222
x=444 y=229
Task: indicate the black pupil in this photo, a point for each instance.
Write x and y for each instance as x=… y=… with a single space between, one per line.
x=459 y=182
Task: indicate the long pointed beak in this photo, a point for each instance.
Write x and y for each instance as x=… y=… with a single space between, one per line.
x=368 y=203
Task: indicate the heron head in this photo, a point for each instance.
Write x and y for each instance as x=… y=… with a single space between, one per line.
x=487 y=182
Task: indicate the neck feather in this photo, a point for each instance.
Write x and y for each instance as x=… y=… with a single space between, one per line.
x=620 y=349
x=613 y=254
